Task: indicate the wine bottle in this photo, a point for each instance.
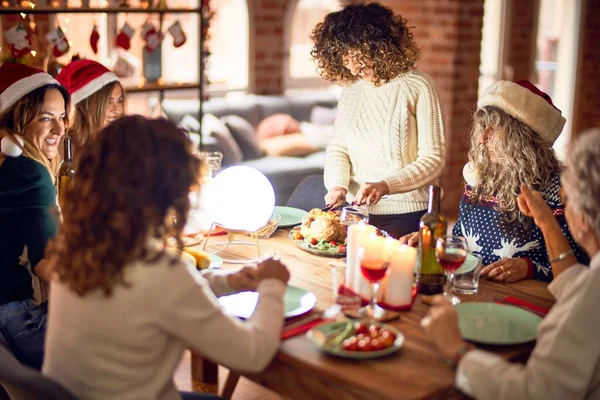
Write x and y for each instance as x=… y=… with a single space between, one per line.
x=66 y=172
x=431 y=227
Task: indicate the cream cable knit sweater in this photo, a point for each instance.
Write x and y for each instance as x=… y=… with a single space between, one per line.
x=395 y=133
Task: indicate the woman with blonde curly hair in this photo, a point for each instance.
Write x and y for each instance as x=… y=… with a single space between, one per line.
x=565 y=361
x=512 y=135
x=389 y=131
x=33 y=116
x=124 y=307
x=98 y=99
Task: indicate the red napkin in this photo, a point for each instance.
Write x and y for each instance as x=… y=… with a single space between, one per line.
x=404 y=307
x=526 y=304
x=298 y=330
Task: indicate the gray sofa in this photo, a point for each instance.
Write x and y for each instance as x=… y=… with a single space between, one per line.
x=285 y=173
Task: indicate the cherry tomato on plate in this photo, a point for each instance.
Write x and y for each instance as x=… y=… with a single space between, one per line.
x=350 y=344
x=361 y=329
x=341 y=248
x=313 y=241
x=333 y=243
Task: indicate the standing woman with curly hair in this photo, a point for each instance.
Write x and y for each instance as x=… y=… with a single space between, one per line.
x=124 y=307
x=98 y=99
x=389 y=130
x=33 y=115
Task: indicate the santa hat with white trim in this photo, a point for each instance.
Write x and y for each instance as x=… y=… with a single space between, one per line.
x=83 y=78
x=18 y=80
x=525 y=102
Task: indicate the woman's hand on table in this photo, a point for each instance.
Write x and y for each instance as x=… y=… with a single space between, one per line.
x=441 y=327
x=336 y=196
x=371 y=193
x=532 y=204
x=506 y=270
x=243 y=280
x=412 y=239
x=272 y=269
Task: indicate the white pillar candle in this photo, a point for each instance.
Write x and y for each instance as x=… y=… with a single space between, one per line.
x=356 y=234
x=399 y=282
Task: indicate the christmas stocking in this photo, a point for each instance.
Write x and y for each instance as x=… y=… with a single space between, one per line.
x=178 y=35
x=57 y=38
x=124 y=36
x=151 y=36
x=94 y=37
x=19 y=41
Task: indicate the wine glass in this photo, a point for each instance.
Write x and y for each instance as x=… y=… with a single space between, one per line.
x=374 y=263
x=351 y=215
x=451 y=252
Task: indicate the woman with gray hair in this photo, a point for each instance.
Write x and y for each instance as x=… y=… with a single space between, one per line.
x=565 y=363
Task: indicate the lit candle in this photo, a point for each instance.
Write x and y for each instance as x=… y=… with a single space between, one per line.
x=399 y=281
x=356 y=233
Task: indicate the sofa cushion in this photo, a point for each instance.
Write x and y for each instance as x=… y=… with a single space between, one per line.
x=245 y=135
x=277 y=125
x=322 y=115
x=226 y=144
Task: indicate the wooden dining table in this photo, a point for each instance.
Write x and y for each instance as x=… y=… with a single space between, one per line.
x=301 y=371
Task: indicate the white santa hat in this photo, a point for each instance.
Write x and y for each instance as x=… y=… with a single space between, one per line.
x=525 y=102
x=83 y=78
x=16 y=81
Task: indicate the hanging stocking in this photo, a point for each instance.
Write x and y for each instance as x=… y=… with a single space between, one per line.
x=19 y=41
x=151 y=36
x=178 y=34
x=124 y=36
x=94 y=38
x=57 y=38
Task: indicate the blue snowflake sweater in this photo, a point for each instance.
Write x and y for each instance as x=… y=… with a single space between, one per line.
x=488 y=236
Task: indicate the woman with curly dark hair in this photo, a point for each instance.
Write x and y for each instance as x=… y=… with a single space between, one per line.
x=124 y=307
x=389 y=130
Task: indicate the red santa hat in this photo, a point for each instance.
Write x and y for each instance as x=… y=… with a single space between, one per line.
x=83 y=78
x=18 y=80
x=525 y=102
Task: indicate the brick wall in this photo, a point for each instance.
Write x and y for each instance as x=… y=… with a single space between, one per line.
x=587 y=93
x=521 y=32
x=267 y=50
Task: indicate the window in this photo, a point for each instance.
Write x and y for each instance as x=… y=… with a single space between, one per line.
x=556 y=58
x=492 y=42
x=304 y=16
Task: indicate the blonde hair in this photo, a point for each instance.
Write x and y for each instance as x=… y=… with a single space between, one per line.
x=17 y=119
x=89 y=116
x=522 y=156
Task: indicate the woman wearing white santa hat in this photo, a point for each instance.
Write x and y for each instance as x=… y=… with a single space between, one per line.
x=33 y=116
x=98 y=99
x=513 y=131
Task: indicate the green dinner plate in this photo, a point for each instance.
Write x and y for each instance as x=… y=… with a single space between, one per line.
x=468 y=266
x=215 y=261
x=319 y=332
x=290 y=216
x=296 y=302
x=492 y=323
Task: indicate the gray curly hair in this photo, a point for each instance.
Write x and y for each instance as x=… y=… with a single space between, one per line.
x=522 y=157
x=581 y=179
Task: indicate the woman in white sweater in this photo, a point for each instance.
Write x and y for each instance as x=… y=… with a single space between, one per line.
x=123 y=307
x=565 y=363
x=389 y=131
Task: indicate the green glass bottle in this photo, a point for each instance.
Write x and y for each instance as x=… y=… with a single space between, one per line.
x=431 y=227
x=66 y=172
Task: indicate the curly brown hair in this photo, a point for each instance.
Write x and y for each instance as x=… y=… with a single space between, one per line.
x=522 y=156
x=133 y=184
x=379 y=40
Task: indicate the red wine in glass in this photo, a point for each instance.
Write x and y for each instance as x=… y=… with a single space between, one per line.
x=452 y=259
x=373 y=270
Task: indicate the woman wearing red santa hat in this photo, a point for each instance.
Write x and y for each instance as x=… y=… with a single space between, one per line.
x=33 y=117
x=98 y=99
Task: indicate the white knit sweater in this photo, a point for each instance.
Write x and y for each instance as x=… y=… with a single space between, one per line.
x=395 y=133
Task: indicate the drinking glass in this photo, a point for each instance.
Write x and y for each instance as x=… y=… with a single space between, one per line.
x=354 y=214
x=374 y=263
x=344 y=300
x=212 y=159
x=451 y=252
